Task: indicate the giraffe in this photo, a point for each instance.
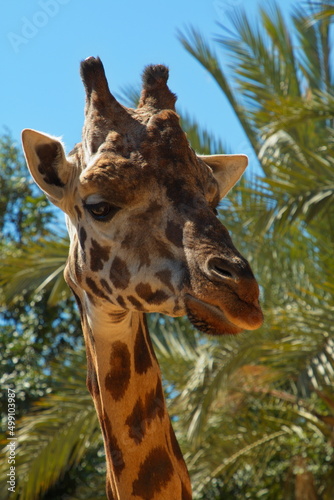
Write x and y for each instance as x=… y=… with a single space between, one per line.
x=140 y=207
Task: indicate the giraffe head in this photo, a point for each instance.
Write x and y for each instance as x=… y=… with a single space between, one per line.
x=141 y=211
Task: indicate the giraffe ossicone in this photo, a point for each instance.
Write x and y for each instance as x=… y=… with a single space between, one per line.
x=144 y=237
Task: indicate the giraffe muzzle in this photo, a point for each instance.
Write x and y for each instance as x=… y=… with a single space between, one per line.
x=224 y=295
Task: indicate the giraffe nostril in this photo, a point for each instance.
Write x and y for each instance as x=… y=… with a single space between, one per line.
x=222 y=272
x=220 y=269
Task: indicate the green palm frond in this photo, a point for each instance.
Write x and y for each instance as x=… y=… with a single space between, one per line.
x=302 y=180
x=284 y=101
x=286 y=113
x=202 y=141
x=194 y=42
x=321 y=11
x=34 y=268
x=275 y=426
x=270 y=45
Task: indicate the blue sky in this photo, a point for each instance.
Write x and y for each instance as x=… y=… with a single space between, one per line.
x=43 y=41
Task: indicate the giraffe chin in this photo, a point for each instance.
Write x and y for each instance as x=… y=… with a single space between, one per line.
x=210 y=319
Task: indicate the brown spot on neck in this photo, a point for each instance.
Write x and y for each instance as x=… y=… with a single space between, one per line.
x=136 y=422
x=142 y=355
x=155 y=402
x=118 y=378
x=112 y=447
x=154 y=474
x=143 y=414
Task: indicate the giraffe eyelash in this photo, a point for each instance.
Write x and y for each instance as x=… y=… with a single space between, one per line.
x=102 y=211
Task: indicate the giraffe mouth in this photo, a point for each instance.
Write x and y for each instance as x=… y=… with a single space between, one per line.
x=211 y=319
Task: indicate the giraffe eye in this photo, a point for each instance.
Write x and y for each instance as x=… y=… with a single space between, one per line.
x=101 y=211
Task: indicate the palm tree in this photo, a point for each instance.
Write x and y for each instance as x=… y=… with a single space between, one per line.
x=283 y=98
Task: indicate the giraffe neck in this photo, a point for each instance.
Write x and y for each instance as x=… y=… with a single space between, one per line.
x=144 y=460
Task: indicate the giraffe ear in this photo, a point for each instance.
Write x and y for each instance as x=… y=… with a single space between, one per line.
x=227 y=169
x=47 y=163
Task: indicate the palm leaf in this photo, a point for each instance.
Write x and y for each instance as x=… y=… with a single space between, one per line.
x=194 y=43
x=34 y=268
x=200 y=139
